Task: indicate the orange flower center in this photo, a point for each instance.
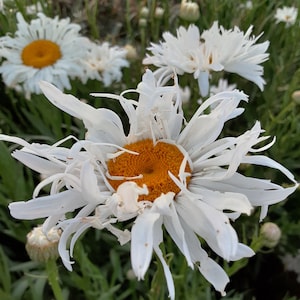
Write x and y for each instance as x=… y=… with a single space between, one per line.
x=40 y=54
x=153 y=162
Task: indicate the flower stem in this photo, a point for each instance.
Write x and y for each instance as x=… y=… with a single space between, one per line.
x=52 y=273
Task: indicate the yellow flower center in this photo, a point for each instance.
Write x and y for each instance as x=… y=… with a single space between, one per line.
x=153 y=162
x=40 y=54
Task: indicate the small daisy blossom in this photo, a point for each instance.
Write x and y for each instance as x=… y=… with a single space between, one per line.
x=216 y=49
x=286 y=15
x=222 y=86
x=104 y=63
x=34 y=8
x=163 y=172
x=44 y=49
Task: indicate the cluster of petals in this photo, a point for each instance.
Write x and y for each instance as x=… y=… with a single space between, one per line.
x=287 y=15
x=104 y=63
x=81 y=196
x=61 y=32
x=216 y=49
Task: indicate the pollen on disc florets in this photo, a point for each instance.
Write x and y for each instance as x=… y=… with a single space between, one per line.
x=153 y=162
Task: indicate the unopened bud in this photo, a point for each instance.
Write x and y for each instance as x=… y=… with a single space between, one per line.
x=144 y=12
x=159 y=12
x=189 y=11
x=270 y=234
x=42 y=247
x=130 y=274
x=296 y=96
x=131 y=53
x=143 y=22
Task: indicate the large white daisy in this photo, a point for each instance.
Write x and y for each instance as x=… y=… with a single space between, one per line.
x=164 y=172
x=216 y=49
x=44 y=49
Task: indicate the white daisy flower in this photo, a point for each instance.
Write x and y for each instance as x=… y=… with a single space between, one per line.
x=104 y=63
x=216 y=49
x=222 y=86
x=160 y=173
x=287 y=15
x=44 y=49
x=34 y=8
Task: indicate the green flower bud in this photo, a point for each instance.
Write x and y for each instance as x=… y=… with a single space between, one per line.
x=270 y=234
x=144 y=12
x=189 y=11
x=159 y=12
x=296 y=97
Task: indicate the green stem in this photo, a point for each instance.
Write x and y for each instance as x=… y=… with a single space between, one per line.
x=52 y=273
x=128 y=21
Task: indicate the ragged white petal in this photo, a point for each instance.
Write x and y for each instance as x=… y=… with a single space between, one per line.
x=142 y=235
x=45 y=206
x=158 y=239
x=208 y=267
x=241 y=252
x=36 y=163
x=123 y=236
x=89 y=184
x=165 y=206
x=101 y=123
x=236 y=202
x=210 y=224
x=126 y=198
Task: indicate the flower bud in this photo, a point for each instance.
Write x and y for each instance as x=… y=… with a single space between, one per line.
x=189 y=11
x=270 y=234
x=130 y=275
x=42 y=247
x=296 y=96
x=144 y=12
x=131 y=53
x=142 y=23
x=159 y=12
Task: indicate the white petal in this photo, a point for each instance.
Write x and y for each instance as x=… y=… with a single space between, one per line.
x=42 y=207
x=226 y=109
x=123 y=236
x=208 y=267
x=203 y=83
x=36 y=163
x=268 y=162
x=165 y=206
x=258 y=191
x=73 y=226
x=210 y=224
x=142 y=235
x=127 y=196
x=158 y=238
x=101 y=123
x=235 y=202
x=89 y=184
x=242 y=251
x=67 y=103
